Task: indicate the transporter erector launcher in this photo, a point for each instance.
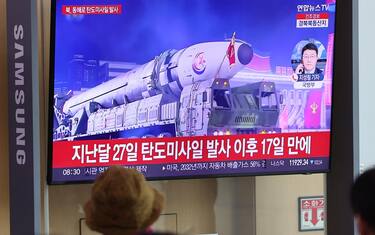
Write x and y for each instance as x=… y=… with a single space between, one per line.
x=179 y=93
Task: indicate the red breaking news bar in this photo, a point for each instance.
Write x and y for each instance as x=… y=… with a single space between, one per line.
x=310 y=16
x=190 y=149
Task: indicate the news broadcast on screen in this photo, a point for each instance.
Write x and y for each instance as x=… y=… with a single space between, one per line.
x=190 y=88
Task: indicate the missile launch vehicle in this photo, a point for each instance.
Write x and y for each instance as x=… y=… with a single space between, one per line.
x=179 y=93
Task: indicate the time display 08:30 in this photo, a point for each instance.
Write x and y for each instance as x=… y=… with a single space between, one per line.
x=72 y=171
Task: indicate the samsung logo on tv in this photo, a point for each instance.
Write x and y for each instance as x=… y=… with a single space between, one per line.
x=19 y=94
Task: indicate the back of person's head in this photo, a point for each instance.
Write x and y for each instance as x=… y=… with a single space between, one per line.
x=363 y=201
x=122 y=203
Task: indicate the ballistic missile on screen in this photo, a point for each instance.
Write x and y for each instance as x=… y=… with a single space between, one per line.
x=168 y=73
x=179 y=93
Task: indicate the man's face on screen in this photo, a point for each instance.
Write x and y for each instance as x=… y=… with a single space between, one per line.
x=310 y=58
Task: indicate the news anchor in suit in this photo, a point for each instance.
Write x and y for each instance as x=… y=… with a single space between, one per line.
x=309 y=60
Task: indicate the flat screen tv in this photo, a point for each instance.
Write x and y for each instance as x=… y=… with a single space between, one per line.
x=190 y=88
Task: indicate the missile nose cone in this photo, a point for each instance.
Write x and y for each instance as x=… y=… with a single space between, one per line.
x=245 y=53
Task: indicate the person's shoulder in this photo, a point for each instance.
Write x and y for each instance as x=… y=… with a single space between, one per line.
x=318 y=71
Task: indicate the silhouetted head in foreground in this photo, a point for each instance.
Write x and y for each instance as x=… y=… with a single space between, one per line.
x=363 y=202
x=122 y=203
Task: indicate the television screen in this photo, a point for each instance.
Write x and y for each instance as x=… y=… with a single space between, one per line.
x=190 y=88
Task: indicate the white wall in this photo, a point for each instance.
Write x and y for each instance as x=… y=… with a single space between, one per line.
x=276 y=202
x=366 y=63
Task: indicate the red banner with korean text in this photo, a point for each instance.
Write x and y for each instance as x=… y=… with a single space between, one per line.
x=189 y=149
x=313 y=16
x=92 y=9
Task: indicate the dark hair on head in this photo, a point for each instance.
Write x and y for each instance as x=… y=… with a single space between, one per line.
x=363 y=197
x=309 y=46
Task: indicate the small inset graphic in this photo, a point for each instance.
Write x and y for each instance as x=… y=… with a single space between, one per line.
x=312 y=20
x=308 y=60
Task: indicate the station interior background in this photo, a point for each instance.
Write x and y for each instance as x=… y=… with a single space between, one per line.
x=262 y=205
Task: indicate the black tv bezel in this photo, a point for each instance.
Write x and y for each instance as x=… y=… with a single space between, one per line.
x=72 y=182
x=50 y=92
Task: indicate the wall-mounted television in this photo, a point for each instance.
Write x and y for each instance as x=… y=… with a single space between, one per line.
x=190 y=88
